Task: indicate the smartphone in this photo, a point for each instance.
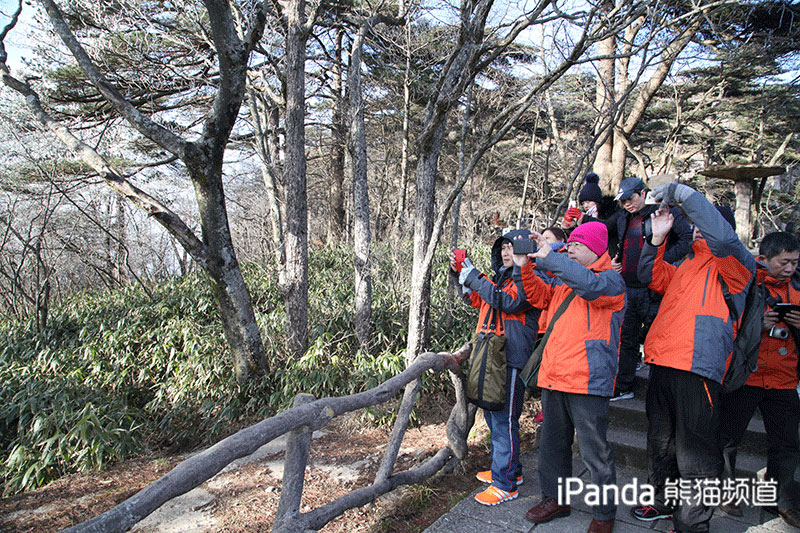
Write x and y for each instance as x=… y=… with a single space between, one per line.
x=573 y=203
x=782 y=309
x=523 y=246
x=460 y=254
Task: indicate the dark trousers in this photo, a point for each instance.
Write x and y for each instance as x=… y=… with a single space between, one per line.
x=504 y=434
x=683 y=421
x=640 y=311
x=566 y=414
x=780 y=409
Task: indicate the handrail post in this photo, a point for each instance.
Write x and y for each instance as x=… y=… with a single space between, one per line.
x=297 y=447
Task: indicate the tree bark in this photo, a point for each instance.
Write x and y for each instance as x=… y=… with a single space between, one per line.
x=295 y=180
x=357 y=142
x=336 y=162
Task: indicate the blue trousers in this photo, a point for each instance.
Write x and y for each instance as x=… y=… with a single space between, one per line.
x=564 y=415
x=504 y=428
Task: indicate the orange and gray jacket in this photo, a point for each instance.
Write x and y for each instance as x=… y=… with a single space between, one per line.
x=777 y=358
x=693 y=330
x=519 y=318
x=582 y=352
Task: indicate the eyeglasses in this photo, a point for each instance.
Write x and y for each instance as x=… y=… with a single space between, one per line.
x=572 y=245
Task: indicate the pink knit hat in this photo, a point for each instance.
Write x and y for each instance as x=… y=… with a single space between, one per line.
x=593 y=234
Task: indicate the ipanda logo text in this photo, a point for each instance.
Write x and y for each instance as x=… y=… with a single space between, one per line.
x=631 y=493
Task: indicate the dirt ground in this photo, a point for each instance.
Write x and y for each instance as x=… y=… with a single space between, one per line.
x=345 y=457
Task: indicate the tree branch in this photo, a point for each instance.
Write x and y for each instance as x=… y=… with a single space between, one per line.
x=146 y=126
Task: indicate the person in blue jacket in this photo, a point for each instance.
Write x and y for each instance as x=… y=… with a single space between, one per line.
x=503 y=311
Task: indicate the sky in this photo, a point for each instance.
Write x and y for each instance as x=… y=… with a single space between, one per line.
x=15 y=41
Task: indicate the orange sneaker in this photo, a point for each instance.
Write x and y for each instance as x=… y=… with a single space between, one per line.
x=495 y=496
x=486 y=477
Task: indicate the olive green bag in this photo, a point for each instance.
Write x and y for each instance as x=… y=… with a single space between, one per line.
x=486 y=382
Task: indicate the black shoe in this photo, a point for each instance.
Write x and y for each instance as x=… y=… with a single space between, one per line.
x=648 y=513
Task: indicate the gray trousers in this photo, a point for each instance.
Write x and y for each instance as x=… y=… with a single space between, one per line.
x=564 y=415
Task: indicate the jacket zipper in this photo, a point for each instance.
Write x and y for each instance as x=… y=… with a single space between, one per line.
x=588 y=317
x=705 y=287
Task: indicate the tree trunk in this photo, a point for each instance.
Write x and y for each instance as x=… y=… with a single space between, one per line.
x=357 y=143
x=400 y=218
x=419 y=306
x=604 y=101
x=336 y=162
x=232 y=296
x=260 y=112
x=295 y=180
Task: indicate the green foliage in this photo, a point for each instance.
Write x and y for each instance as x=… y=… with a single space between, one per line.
x=116 y=373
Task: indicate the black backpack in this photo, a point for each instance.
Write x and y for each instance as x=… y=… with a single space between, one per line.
x=744 y=360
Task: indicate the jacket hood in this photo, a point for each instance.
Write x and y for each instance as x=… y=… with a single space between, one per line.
x=497 y=259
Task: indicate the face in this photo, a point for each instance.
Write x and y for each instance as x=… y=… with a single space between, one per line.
x=581 y=253
x=635 y=203
x=696 y=235
x=507 y=254
x=587 y=205
x=549 y=237
x=782 y=266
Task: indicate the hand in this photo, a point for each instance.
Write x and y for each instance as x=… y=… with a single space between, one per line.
x=568 y=223
x=466 y=268
x=770 y=319
x=616 y=265
x=661 y=223
x=793 y=319
x=543 y=246
x=671 y=193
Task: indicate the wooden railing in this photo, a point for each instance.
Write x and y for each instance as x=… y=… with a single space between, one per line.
x=307 y=415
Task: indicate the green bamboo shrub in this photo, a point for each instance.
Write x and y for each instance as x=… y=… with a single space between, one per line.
x=118 y=373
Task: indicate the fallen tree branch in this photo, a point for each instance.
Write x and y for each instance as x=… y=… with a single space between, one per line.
x=201 y=467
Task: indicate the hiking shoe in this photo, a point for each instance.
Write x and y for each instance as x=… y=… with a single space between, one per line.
x=494 y=496
x=648 y=513
x=621 y=395
x=486 y=477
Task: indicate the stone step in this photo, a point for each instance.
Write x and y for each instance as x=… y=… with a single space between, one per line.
x=630 y=451
x=631 y=415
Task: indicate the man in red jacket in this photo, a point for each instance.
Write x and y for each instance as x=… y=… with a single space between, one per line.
x=688 y=347
x=578 y=364
x=773 y=386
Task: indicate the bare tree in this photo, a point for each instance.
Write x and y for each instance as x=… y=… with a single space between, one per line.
x=203 y=159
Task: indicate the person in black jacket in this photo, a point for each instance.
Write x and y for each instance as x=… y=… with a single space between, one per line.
x=628 y=228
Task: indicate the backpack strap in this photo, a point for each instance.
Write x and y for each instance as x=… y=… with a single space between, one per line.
x=726 y=293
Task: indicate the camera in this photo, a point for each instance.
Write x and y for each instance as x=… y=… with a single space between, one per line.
x=779 y=333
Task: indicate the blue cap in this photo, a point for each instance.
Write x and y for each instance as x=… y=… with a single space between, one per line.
x=628 y=187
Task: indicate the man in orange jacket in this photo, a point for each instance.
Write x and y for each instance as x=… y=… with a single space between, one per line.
x=773 y=386
x=578 y=364
x=688 y=347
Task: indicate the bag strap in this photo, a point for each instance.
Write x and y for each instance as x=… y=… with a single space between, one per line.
x=560 y=311
x=531 y=368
